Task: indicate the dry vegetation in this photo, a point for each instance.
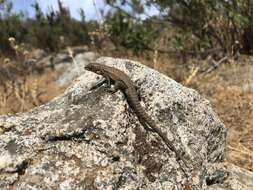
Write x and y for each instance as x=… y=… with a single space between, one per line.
x=24 y=93
x=230 y=91
x=22 y=85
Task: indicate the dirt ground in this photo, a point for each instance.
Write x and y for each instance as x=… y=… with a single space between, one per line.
x=229 y=88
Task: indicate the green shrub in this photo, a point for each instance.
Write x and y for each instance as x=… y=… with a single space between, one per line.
x=205 y=24
x=129 y=33
x=51 y=31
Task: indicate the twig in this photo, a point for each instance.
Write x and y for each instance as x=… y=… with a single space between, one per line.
x=245 y=152
x=193 y=73
x=216 y=64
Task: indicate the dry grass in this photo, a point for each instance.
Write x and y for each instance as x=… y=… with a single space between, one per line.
x=229 y=91
x=25 y=93
x=21 y=86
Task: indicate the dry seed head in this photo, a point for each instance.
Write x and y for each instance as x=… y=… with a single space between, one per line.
x=7 y=60
x=25 y=53
x=11 y=39
x=16 y=47
x=70 y=52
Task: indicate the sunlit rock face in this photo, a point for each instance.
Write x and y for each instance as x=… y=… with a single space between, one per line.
x=91 y=139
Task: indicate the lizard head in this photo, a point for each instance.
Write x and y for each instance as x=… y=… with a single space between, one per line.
x=94 y=67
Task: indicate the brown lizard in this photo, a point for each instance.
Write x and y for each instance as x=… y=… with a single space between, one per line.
x=122 y=82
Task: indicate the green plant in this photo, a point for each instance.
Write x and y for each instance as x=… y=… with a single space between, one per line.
x=129 y=33
x=205 y=24
x=50 y=31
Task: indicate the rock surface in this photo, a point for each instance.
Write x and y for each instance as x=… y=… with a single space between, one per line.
x=74 y=68
x=68 y=63
x=92 y=140
x=225 y=176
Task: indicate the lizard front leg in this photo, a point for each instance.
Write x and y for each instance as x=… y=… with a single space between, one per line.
x=114 y=88
x=105 y=80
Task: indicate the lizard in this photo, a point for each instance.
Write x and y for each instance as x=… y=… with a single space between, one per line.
x=122 y=81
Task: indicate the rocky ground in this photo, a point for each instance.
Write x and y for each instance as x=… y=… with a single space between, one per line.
x=228 y=88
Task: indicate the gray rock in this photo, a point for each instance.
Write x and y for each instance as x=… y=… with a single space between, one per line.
x=90 y=139
x=74 y=68
x=67 y=61
x=226 y=176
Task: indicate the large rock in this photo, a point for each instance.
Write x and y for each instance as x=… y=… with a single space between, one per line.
x=74 y=68
x=90 y=139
